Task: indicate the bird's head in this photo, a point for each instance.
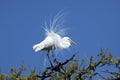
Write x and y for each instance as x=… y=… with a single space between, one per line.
x=67 y=39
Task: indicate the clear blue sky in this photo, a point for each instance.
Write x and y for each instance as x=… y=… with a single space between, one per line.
x=92 y=24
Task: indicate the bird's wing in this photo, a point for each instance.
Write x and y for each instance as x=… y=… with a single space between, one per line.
x=44 y=45
x=48 y=42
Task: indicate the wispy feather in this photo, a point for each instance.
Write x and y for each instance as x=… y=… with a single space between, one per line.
x=55 y=24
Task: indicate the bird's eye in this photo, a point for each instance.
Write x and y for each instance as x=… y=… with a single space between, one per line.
x=69 y=39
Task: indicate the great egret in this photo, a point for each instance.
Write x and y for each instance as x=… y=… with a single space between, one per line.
x=53 y=38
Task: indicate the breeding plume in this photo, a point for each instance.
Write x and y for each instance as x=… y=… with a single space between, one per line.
x=53 y=39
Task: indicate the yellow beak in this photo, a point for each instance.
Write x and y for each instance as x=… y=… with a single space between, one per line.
x=72 y=42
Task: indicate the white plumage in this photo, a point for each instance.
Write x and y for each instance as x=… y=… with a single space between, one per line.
x=53 y=38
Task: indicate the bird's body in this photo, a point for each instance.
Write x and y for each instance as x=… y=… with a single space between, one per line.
x=53 y=40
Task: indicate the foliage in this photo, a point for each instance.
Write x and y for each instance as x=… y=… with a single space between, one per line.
x=73 y=69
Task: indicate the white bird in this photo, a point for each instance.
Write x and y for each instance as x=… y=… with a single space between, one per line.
x=53 y=38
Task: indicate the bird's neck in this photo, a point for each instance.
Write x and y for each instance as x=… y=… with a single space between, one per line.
x=64 y=44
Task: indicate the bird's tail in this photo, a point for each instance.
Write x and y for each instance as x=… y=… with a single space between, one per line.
x=37 y=47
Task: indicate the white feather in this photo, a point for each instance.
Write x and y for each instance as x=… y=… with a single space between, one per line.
x=53 y=38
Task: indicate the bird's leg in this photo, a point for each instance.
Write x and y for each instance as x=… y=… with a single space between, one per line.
x=53 y=56
x=49 y=59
